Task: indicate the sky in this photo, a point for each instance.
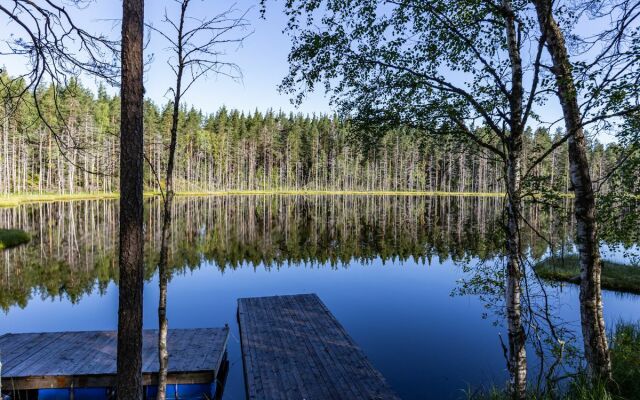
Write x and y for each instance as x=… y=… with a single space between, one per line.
x=262 y=57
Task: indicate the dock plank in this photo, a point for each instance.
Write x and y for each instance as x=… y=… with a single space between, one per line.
x=58 y=359
x=17 y=346
x=294 y=348
x=321 y=374
x=103 y=357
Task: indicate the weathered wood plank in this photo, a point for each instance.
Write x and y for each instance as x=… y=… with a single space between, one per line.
x=294 y=348
x=60 y=359
x=338 y=369
x=318 y=374
x=65 y=381
x=104 y=356
x=249 y=359
x=13 y=356
x=34 y=355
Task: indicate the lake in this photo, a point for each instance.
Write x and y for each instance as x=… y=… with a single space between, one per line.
x=413 y=279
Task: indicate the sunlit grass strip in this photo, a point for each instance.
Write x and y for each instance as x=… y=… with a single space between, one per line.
x=13 y=237
x=615 y=276
x=16 y=199
x=13 y=200
x=338 y=193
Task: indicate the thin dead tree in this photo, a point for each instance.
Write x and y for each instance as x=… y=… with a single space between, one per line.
x=197 y=47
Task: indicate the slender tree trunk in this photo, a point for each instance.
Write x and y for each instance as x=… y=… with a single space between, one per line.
x=129 y=358
x=594 y=334
x=163 y=353
x=517 y=362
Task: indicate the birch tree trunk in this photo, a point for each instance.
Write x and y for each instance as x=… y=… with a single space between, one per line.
x=517 y=362
x=596 y=349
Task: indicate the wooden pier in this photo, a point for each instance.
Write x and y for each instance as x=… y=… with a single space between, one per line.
x=294 y=348
x=88 y=359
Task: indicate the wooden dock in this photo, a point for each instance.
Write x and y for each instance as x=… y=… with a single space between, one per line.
x=88 y=359
x=294 y=348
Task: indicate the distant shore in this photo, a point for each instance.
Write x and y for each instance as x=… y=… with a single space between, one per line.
x=17 y=199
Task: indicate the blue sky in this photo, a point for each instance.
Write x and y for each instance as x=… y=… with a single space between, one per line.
x=262 y=57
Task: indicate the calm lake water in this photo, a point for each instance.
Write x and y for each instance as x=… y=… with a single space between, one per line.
x=410 y=278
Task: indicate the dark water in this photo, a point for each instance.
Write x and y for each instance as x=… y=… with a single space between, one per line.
x=406 y=276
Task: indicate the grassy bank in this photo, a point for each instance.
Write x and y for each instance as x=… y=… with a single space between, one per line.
x=615 y=276
x=625 y=361
x=17 y=199
x=13 y=237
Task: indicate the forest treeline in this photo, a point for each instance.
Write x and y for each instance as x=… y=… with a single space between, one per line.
x=77 y=149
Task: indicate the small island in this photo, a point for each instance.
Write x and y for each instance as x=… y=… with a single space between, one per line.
x=615 y=276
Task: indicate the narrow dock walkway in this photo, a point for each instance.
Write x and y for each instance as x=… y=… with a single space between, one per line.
x=88 y=359
x=294 y=348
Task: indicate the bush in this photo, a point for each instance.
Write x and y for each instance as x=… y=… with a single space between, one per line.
x=13 y=237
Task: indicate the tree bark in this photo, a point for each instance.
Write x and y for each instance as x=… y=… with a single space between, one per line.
x=517 y=360
x=163 y=353
x=129 y=354
x=596 y=349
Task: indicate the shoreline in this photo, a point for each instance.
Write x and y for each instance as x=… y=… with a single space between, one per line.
x=13 y=200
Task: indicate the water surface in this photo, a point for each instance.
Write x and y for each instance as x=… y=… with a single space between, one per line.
x=400 y=273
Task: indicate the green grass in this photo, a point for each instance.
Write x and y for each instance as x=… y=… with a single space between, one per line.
x=615 y=276
x=13 y=237
x=338 y=192
x=578 y=389
x=625 y=361
x=17 y=199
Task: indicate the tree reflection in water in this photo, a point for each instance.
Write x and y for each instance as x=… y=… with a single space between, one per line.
x=73 y=250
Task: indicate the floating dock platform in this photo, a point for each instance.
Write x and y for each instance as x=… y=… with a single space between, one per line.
x=73 y=360
x=294 y=348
